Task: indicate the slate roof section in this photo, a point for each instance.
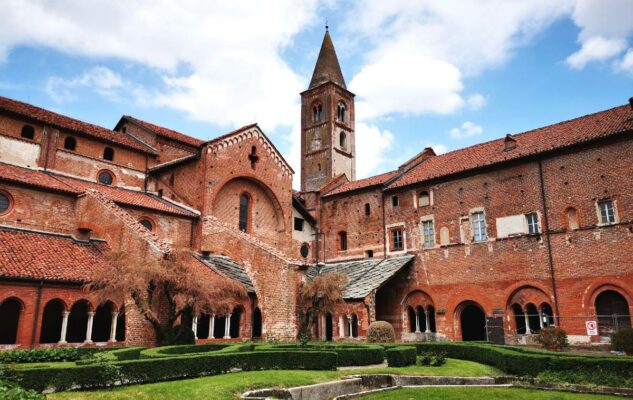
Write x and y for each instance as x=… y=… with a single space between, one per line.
x=29 y=254
x=128 y=197
x=228 y=267
x=327 y=68
x=165 y=132
x=33 y=177
x=376 y=180
x=576 y=131
x=363 y=275
x=173 y=163
x=71 y=124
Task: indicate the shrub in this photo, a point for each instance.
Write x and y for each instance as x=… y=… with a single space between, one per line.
x=180 y=335
x=161 y=369
x=381 y=332
x=12 y=391
x=432 y=358
x=179 y=350
x=554 y=339
x=348 y=354
x=623 y=341
x=125 y=353
x=39 y=355
x=401 y=356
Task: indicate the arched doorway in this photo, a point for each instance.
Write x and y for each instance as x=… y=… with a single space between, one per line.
x=354 y=321
x=257 y=323
x=78 y=322
x=219 y=326
x=9 y=320
x=52 y=318
x=202 y=329
x=102 y=322
x=612 y=311
x=431 y=312
x=519 y=319
x=329 y=328
x=236 y=319
x=120 y=326
x=533 y=317
x=473 y=323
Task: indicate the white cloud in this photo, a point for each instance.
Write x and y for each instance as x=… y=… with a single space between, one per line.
x=605 y=27
x=596 y=49
x=476 y=101
x=221 y=61
x=626 y=64
x=100 y=79
x=371 y=146
x=467 y=130
x=439 y=148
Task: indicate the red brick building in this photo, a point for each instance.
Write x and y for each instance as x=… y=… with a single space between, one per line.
x=493 y=241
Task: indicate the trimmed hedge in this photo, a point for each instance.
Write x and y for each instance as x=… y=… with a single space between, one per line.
x=167 y=368
x=531 y=363
x=126 y=353
x=348 y=354
x=401 y=356
x=179 y=350
x=53 y=354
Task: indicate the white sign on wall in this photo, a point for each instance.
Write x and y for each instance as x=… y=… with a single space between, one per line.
x=592 y=328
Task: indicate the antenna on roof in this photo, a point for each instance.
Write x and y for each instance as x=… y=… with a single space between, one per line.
x=327 y=27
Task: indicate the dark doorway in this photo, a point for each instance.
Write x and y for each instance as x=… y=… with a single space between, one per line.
x=9 y=318
x=257 y=323
x=218 y=327
x=52 y=322
x=421 y=318
x=77 y=322
x=432 y=327
x=547 y=314
x=473 y=321
x=120 y=326
x=354 y=326
x=102 y=323
x=328 y=327
x=534 y=318
x=236 y=318
x=412 y=319
x=519 y=319
x=613 y=312
x=202 y=330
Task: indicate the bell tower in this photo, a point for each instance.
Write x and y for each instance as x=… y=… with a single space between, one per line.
x=328 y=145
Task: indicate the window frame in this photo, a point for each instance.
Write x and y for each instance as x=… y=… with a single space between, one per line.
x=394 y=239
x=317 y=112
x=341 y=111
x=367 y=209
x=150 y=221
x=302 y=223
x=10 y=202
x=395 y=201
x=105 y=149
x=534 y=226
x=112 y=177
x=428 y=234
x=248 y=214
x=342 y=140
x=428 y=196
x=74 y=141
x=612 y=217
x=30 y=132
x=478 y=224
x=342 y=241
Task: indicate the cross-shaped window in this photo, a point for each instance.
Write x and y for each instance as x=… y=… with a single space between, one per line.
x=253 y=157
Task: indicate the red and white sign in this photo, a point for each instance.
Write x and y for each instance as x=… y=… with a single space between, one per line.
x=592 y=328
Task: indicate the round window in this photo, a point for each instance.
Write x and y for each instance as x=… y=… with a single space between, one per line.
x=146 y=223
x=106 y=178
x=5 y=203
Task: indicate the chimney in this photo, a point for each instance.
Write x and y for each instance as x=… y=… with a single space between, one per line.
x=510 y=143
x=631 y=102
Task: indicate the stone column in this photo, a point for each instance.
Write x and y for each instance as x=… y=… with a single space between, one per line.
x=540 y=320
x=227 y=327
x=115 y=317
x=349 y=323
x=527 y=323
x=427 y=319
x=211 y=326
x=91 y=316
x=417 y=320
x=62 y=337
x=194 y=326
x=341 y=327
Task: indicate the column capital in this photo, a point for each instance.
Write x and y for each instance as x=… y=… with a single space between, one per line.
x=66 y=314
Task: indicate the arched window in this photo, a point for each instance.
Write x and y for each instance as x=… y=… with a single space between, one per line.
x=245 y=205
x=342 y=241
x=340 y=111
x=5 y=203
x=102 y=323
x=108 y=154
x=78 y=322
x=147 y=223
x=612 y=311
x=519 y=319
x=105 y=178
x=28 y=132
x=10 y=316
x=533 y=317
x=236 y=319
x=70 y=143
x=424 y=199
x=572 y=218
x=413 y=319
x=342 y=138
x=431 y=316
x=317 y=112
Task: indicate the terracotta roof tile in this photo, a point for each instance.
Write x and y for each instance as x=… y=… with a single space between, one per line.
x=32 y=177
x=166 y=132
x=564 y=134
x=363 y=183
x=64 y=122
x=34 y=255
x=128 y=197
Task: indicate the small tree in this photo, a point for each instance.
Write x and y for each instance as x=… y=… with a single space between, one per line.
x=319 y=296
x=163 y=288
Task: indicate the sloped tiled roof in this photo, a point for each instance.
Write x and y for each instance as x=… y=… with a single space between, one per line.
x=363 y=183
x=173 y=163
x=64 y=122
x=128 y=197
x=563 y=134
x=229 y=268
x=166 y=132
x=34 y=255
x=363 y=275
x=32 y=177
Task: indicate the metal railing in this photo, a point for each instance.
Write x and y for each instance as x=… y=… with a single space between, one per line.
x=606 y=324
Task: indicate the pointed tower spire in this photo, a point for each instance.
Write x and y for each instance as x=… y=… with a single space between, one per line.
x=327 y=68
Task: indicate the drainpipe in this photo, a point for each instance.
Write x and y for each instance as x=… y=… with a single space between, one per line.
x=547 y=237
x=384 y=226
x=38 y=302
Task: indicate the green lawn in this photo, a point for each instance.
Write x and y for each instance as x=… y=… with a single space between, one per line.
x=481 y=394
x=228 y=386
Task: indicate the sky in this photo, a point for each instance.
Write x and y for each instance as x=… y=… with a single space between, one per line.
x=426 y=73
